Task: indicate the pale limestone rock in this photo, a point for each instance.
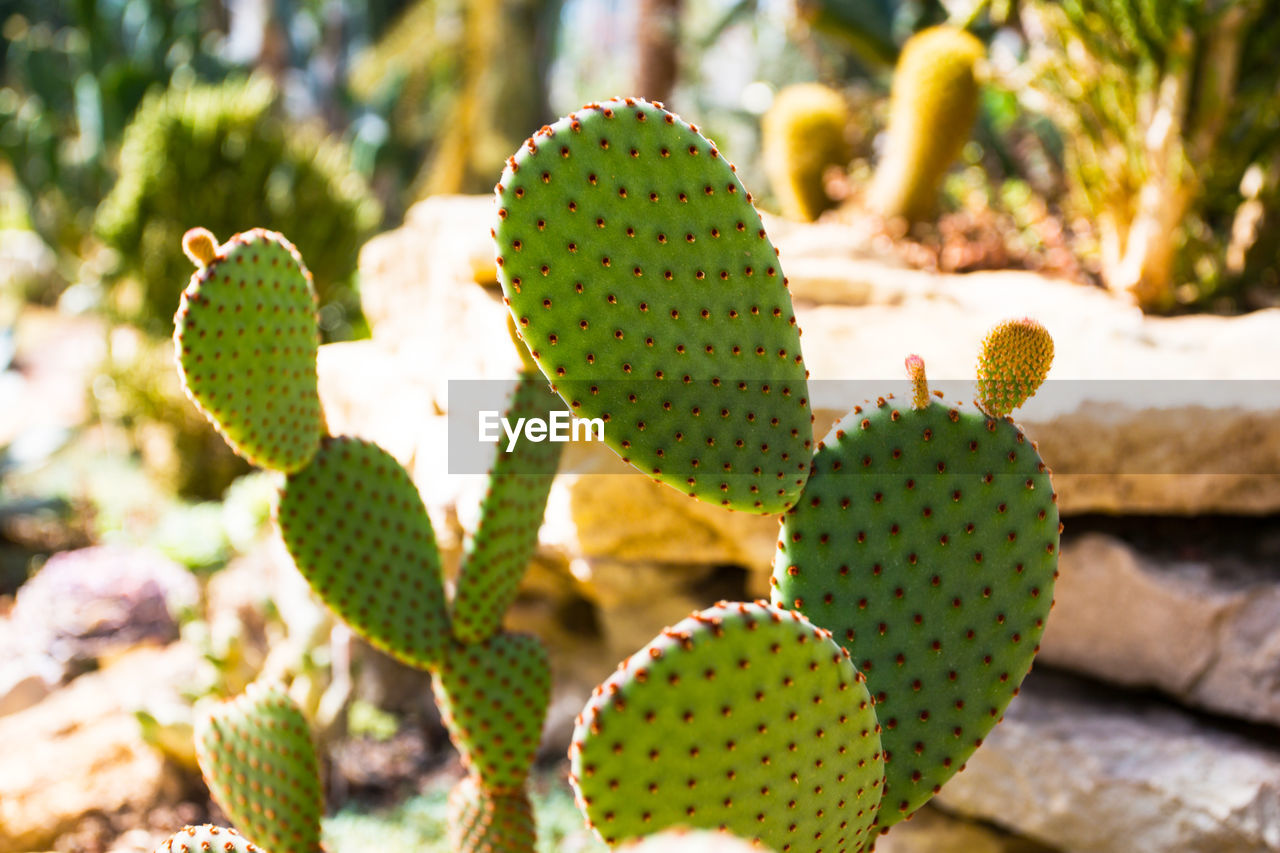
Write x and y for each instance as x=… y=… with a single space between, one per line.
x=1088 y=772
x=1206 y=633
x=931 y=830
x=79 y=752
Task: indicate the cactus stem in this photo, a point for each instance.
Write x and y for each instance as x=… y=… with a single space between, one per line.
x=200 y=246
x=919 y=383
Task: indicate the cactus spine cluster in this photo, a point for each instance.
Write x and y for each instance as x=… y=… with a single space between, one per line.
x=804 y=136
x=918 y=548
x=932 y=106
x=356 y=528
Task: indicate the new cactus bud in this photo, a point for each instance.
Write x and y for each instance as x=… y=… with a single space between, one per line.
x=927 y=542
x=200 y=246
x=1014 y=361
x=483 y=821
x=207 y=839
x=803 y=137
x=743 y=717
x=357 y=529
x=643 y=283
x=256 y=754
x=493 y=697
x=919 y=382
x=931 y=110
x=246 y=341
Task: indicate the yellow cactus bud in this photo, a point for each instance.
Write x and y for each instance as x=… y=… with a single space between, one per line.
x=919 y=384
x=200 y=246
x=1015 y=359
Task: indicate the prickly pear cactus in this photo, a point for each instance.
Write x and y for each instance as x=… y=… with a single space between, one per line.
x=357 y=529
x=803 y=135
x=206 y=839
x=246 y=340
x=483 y=821
x=927 y=541
x=931 y=111
x=641 y=279
x=743 y=717
x=510 y=516
x=256 y=755
x=493 y=697
x=1014 y=361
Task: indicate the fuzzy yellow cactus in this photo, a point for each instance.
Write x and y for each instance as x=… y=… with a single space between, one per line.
x=931 y=112
x=803 y=136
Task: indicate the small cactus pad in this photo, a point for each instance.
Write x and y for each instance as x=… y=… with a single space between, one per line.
x=927 y=542
x=482 y=821
x=207 y=839
x=357 y=529
x=493 y=697
x=641 y=279
x=743 y=717
x=246 y=339
x=510 y=516
x=1015 y=359
x=256 y=755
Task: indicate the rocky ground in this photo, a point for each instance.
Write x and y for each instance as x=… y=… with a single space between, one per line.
x=1150 y=722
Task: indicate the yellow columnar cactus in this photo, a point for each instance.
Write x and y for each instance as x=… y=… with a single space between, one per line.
x=931 y=111
x=803 y=136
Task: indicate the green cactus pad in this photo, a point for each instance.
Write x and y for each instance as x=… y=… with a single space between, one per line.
x=493 y=697
x=246 y=340
x=207 y=839
x=743 y=717
x=1014 y=361
x=357 y=529
x=482 y=821
x=256 y=754
x=641 y=279
x=510 y=516
x=927 y=541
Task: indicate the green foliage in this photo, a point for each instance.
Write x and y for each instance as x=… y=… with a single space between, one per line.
x=642 y=281
x=73 y=73
x=804 y=135
x=1165 y=108
x=222 y=157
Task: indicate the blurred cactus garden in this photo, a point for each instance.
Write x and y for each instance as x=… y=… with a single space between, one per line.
x=1112 y=160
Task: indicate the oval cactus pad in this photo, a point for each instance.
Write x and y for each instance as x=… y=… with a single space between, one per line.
x=493 y=697
x=640 y=277
x=510 y=517
x=743 y=717
x=358 y=531
x=206 y=839
x=926 y=540
x=482 y=821
x=257 y=757
x=246 y=339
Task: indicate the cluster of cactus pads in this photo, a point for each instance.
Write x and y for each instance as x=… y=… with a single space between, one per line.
x=918 y=545
x=357 y=529
x=915 y=563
